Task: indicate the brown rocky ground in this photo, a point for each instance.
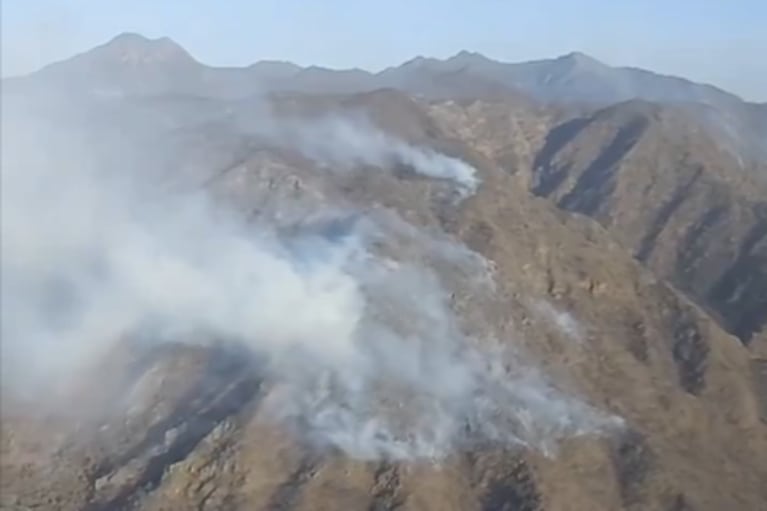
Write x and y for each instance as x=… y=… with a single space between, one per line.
x=668 y=192
x=692 y=395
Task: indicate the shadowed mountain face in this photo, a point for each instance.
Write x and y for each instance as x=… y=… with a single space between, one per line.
x=373 y=300
x=675 y=197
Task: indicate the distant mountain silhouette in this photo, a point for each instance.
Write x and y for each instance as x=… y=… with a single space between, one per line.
x=133 y=64
x=572 y=77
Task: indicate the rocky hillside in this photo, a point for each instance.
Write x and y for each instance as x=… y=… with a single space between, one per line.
x=682 y=204
x=375 y=301
x=669 y=192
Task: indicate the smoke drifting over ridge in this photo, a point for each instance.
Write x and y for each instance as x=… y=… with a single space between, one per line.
x=342 y=142
x=349 y=141
x=361 y=352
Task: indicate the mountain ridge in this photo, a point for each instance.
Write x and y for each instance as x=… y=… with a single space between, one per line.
x=614 y=251
x=574 y=58
x=133 y=64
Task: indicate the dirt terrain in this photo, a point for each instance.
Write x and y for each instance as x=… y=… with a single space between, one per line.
x=627 y=255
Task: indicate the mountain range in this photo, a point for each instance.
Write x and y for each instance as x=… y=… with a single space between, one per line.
x=133 y=64
x=607 y=226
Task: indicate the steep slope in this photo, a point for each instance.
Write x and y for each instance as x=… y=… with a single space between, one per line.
x=129 y=63
x=581 y=80
x=195 y=431
x=675 y=198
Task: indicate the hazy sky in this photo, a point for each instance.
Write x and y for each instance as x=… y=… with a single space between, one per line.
x=723 y=42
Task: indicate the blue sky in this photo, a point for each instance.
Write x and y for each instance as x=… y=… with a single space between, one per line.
x=717 y=41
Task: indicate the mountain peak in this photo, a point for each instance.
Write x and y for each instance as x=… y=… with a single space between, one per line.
x=135 y=48
x=580 y=59
x=129 y=38
x=466 y=54
x=467 y=57
x=274 y=68
x=417 y=61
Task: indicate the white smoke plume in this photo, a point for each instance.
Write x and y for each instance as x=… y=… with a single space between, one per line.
x=343 y=142
x=363 y=353
x=562 y=320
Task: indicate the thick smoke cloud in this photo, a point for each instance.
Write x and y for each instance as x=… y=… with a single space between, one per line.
x=362 y=352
